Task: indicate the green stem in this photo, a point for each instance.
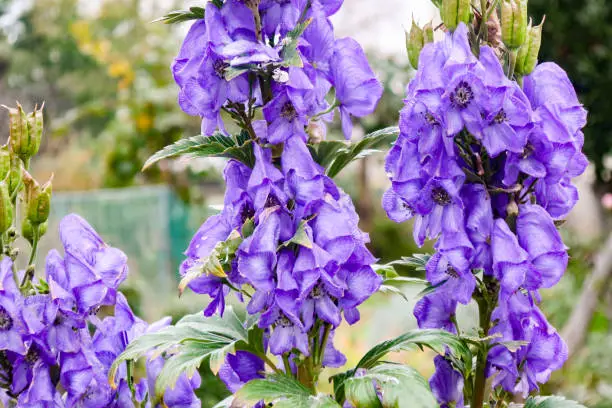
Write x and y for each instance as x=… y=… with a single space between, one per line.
x=35 y=240
x=269 y=362
x=512 y=62
x=287 y=365
x=485 y=310
x=326 y=333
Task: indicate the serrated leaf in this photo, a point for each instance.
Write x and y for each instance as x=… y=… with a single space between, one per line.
x=217 y=145
x=289 y=52
x=186 y=345
x=513 y=346
x=180 y=16
x=399 y=387
x=226 y=403
x=436 y=340
x=551 y=402
x=379 y=139
x=278 y=389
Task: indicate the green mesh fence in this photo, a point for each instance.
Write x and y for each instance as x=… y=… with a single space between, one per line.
x=150 y=224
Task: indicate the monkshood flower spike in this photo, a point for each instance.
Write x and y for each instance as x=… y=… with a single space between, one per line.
x=484 y=165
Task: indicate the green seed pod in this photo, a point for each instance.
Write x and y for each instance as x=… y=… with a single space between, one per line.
x=5 y=162
x=428 y=33
x=35 y=130
x=14 y=177
x=454 y=12
x=6 y=208
x=37 y=200
x=528 y=54
x=514 y=23
x=18 y=125
x=414 y=44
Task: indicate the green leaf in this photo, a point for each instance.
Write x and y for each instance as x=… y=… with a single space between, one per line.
x=392 y=289
x=186 y=345
x=400 y=387
x=551 y=402
x=219 y=258
x=180 y=16
x=226 y=403
x=436 y=340
x=276 y=388
x=217 y=145
x=325 y=152
x=289 y=52
x=343 y=157
x=233 y=72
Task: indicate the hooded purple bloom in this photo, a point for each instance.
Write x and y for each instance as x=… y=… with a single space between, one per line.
x=447 y=384
x=510 y=262
x=89 y=261
x=240 y=368
x=436 y=311
x=357 y=89
x=288 y=331
x=538 y=235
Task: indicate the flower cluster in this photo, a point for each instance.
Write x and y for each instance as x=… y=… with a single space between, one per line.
x=279 y=56
x=287 y=240
x=299 y=250
x=484 y=165
x=52 y=337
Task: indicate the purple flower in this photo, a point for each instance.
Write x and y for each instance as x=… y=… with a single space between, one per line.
x=510 y=262
x=436 y=311
x=357 y=89
x=447 y=384
x=240 y=368
x=282 y=317
x=538 y=235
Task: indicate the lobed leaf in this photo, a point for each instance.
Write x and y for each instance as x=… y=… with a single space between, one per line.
x=399 y=386
x=277 y=388
x=216 y=145
x=180 y=16
x=366 y=146
x=289 y=52
x=186 y=345
x=436 y=340
x=553 y=401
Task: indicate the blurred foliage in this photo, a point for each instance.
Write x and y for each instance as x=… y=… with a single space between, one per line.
x=577 y=36
x=588 y=376
x=104 y=68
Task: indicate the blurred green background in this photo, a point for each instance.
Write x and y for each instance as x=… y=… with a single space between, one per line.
x=102 y=69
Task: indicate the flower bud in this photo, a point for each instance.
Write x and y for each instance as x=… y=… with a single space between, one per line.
x=514 y=23
x=528 y=54
x=5 y=162
x=25 y=131
x=6 y=207
x=454 y=12
x=37 y=200
x=415 y=41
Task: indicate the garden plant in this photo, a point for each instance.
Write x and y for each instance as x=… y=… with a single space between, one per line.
x=482 y=163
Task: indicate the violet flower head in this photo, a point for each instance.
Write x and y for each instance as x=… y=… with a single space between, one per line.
x=447 y=384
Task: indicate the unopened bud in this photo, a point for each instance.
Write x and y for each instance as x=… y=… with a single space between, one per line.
x=6 y=208
x=415 y=41
x=38 y=199
x=5 y=162
x=316 y=131
x=454 y=12
x=528 y=54
x=514 y=23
